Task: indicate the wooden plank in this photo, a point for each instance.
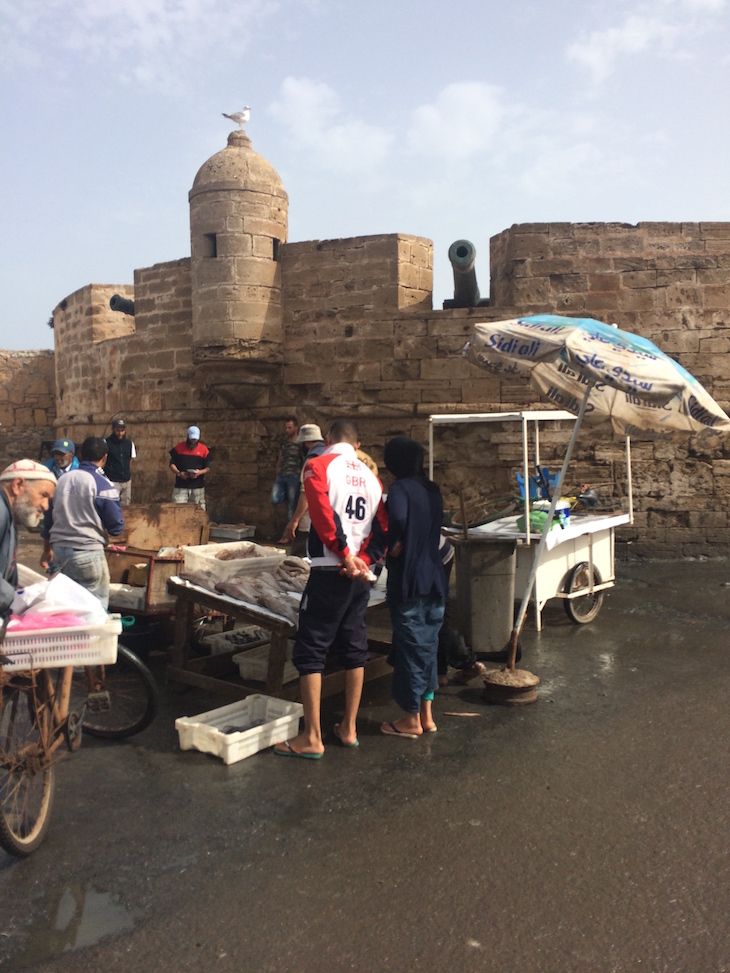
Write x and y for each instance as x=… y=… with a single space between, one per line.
x=277 y=661
x=215 y=665
x=186 y=677
x=183 y=628
x=150 y=526
x=119 y=563
x=157 y=594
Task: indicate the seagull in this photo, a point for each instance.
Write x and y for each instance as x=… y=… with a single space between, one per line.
x=239 y=117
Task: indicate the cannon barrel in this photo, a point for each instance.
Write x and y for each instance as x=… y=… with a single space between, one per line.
x=462 y=254
x=119 y=303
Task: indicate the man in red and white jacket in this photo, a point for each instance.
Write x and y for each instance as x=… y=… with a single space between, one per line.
x=348 y=534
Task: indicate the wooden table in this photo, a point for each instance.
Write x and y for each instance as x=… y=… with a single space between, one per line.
x=148 y=529
x=209 y=672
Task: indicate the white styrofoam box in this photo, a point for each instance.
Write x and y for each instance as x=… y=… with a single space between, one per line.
x=229 y=532
x=126 y=596
x=205 y=732
x=52 y=648
x=202 y=557
x=221 y=641
x=254 y=663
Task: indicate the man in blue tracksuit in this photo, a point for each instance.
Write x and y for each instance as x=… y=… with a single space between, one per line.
x=63 y=458
x=82 y=514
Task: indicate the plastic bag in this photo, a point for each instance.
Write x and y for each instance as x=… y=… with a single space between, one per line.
x=537 y=522
x=60 y=594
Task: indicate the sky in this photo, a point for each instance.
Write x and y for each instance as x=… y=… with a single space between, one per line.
x=428 y=117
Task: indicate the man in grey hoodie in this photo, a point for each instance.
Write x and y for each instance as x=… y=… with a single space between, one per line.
x=85 y=509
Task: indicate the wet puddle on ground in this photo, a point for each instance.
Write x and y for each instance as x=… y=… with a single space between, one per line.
x=72 y=917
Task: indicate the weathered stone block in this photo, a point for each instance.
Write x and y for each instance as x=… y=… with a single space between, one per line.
x=640 y=299
x=568 y=283
x=717 y=297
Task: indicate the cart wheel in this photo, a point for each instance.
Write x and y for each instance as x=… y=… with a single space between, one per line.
x=582 y=610
x=26 y=774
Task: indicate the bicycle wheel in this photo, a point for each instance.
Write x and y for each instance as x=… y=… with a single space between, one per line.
x=583 y=609
x=26 y=780
x=123 y=700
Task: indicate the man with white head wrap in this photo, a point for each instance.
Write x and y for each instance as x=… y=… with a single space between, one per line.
x=26 y=487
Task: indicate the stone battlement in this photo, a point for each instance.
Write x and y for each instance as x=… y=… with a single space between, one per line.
x=252 y=328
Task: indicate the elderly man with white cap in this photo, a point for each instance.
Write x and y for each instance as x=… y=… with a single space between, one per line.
x=190 y=461
x=26 y=487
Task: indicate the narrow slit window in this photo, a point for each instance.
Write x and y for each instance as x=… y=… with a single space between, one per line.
x=209 y=246
x=276 y=250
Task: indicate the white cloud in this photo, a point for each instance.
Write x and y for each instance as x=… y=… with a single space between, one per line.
x=600 y=50
x=715 y=6
x=147 y=41
x=461 y=122
x=665 y=27
x=309 y=111
x=472 y=142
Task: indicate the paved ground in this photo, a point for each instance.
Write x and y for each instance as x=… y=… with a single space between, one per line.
x=586 y=833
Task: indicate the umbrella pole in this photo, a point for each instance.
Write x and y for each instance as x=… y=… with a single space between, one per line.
x=512 y=654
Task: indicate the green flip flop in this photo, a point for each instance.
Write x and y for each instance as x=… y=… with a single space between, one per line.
x=291 y=752
x=336 y=731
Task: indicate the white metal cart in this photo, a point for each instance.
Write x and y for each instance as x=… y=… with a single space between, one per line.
x=577 y=561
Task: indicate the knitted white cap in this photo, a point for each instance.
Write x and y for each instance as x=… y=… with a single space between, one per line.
x=27 y=469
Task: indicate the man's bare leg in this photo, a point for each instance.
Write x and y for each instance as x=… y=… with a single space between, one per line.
x=427 y=722
x=347 y=729
x=310 y=739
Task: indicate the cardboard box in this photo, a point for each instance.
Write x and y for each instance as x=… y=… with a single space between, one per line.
x=138 y=574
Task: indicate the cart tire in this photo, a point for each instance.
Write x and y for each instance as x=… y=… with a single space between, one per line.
x=26 y=778
x=582 y=610
x=126 y=702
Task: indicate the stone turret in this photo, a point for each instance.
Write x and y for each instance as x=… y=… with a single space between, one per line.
x=238 y=222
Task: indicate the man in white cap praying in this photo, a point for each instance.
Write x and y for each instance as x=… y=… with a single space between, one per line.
x=26 y=487
x=190 y=461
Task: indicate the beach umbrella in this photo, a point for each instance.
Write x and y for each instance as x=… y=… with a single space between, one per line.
x=599 y=373
x=643 y=392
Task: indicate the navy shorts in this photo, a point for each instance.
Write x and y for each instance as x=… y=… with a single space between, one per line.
x=332 y=616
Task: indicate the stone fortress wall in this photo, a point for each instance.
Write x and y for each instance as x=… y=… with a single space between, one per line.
x=27 y=403
x=346 y=327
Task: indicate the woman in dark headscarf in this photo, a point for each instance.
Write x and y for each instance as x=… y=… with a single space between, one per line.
x=416 y=588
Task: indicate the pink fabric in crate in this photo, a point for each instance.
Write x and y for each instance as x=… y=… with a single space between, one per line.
x=43 y=620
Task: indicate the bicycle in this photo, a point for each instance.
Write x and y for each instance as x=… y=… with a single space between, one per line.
x=39 y=713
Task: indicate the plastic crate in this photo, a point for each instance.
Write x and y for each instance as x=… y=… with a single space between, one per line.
x=205 y=732
x=229 y=532
x=226 y=641
x=52 y=648
x=254 y=663
x=202 y=557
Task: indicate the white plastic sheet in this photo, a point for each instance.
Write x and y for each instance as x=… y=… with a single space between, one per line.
x=60 y=594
